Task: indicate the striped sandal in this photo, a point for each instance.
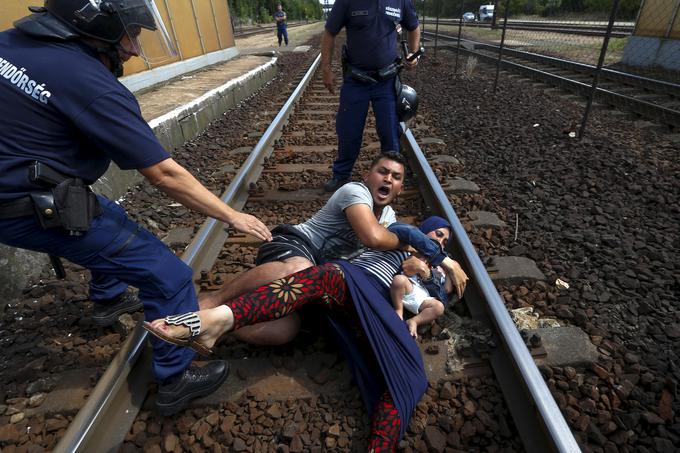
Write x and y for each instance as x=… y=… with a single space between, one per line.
x=189 y=320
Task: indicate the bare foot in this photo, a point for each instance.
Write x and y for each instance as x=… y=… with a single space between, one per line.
x=412 y=328
x=215 y=322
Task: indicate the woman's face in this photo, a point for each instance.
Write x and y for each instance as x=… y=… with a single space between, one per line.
x=440 y=235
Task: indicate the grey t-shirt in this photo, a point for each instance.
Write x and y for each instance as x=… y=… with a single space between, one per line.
x=330 y=231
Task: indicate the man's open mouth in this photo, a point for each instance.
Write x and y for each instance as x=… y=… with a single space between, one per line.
x=384 y=190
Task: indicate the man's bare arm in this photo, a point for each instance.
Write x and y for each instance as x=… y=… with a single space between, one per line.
x=368 y=230
x=413 y=46
x=327 y=44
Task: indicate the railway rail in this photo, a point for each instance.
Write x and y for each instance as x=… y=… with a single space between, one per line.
x=110 y=411
x=654 y=99
x=620 y=30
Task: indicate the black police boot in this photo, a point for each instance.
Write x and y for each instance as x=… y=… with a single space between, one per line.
x=192 y=383
x=334 y=184
x=106 y=312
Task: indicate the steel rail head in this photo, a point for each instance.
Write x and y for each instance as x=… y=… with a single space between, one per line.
x=91 y=422
x=252 y=163
x=94 y=419
x=558 y=435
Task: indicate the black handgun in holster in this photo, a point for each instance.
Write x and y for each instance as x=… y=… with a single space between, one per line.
x=69 y=203
x=343 y=59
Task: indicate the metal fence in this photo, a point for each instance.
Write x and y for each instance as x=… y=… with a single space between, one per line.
x=621 y=54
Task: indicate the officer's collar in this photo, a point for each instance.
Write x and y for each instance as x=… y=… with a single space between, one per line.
x=91 y=51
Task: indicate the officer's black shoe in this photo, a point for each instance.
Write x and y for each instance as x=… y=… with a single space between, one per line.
x=106 y=312
x=193 y=383
x=334 y=184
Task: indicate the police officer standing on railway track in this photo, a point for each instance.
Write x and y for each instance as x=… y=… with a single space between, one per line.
x=369 y=73
x=63 y=117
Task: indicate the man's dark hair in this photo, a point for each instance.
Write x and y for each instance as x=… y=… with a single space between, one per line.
x=390 y=155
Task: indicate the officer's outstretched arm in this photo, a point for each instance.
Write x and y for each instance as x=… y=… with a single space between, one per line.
x=327 y=43
x=368 y=230
x=180 y=185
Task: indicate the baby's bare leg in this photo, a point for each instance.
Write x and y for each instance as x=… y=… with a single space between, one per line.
x=401 y=285
x=430 y=310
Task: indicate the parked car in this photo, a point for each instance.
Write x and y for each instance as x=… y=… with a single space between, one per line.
x=469 y=17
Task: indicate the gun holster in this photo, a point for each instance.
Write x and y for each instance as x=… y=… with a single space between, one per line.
x=69 y=203
x=45 y=209
x=343 y=59
x=76 y=205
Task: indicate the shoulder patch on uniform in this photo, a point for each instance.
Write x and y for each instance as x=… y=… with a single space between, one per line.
x=394 y=12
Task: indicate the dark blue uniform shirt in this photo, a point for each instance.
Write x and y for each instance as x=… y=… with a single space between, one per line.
x=371 y=29
x=281 y=24
x=61 y=106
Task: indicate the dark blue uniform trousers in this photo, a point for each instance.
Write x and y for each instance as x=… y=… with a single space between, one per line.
x=351 y=119
x=281 y=32
x=118 y=252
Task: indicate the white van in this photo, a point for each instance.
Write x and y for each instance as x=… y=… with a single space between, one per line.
x=486 y=12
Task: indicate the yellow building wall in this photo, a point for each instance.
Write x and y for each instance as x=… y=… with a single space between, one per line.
x=197 y=27
x=659 y=19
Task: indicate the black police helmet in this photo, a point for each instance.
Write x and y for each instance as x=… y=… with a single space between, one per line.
x=105 y=20
x=407 y=103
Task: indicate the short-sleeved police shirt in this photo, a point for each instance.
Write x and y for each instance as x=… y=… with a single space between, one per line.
x=371 y=29
x=281 y=24
x=61 y=106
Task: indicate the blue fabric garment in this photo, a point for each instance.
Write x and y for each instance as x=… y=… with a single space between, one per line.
x=61 y=106
x=126 y=253
x=395 y=350
x=414 y=237
x=282 y=33
x=280 y=24
x=349 y=124
x=105 y=287
x=371 y=29
x=434 y=223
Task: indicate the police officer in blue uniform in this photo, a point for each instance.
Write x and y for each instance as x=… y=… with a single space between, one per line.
x=64 y=117
x=369 y=73
x=280 y=18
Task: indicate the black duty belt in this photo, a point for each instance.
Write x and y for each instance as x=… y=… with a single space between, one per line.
x=374 y=76
x=17 y=208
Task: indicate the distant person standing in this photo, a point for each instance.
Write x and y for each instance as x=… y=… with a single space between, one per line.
x=280 y=17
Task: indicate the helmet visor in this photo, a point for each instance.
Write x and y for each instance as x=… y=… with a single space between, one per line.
x=145 y=33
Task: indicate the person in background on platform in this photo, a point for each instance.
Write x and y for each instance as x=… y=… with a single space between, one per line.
x=369 y=73
x=65 y=117
x=426 y=293
x=281 y=28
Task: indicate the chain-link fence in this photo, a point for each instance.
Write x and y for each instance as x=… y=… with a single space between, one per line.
x=615 y=52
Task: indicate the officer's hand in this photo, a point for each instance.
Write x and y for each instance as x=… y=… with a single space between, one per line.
x=411 y=64
x=328 y=79
x=246 y=223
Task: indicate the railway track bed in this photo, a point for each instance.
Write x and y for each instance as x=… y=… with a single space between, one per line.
x=466 y=413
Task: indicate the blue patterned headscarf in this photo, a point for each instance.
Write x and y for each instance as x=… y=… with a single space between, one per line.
x=434 y=223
